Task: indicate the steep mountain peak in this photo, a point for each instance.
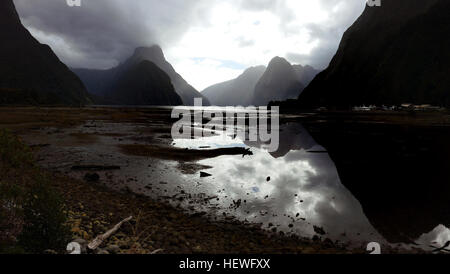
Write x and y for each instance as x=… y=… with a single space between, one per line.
x=392 y=54
x=10 y=24
x=153 y=53
x=279 y=82
x=279 y=68
x=236 y=92
x=98 y=80
x=30 y=72
x=7 y=7
x=278 y=61
x=154 y=50
x=143 y=84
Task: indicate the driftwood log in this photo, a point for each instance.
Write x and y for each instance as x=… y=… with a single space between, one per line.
x=100 y=239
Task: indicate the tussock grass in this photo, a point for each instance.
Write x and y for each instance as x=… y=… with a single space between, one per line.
x=32 y=217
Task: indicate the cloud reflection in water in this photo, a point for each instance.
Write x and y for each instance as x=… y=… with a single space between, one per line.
x=304 y=188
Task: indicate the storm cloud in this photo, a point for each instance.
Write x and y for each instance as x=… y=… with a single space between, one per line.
x=207 y=41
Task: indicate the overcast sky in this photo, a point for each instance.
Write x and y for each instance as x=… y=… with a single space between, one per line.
x=207 y=41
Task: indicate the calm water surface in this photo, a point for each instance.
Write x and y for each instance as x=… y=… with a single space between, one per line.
x=296 y=189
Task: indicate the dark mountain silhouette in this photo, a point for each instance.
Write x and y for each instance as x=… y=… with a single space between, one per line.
x=393 y=54
x=279 y=82
x=235 y=92
x=135 y=82
x=241 y=91
x=143 y=84
x=156 y=55
x=98 y=81
x=30 y=73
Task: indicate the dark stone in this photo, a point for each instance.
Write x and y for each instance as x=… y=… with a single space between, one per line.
x=92 y=177
x=204 y=174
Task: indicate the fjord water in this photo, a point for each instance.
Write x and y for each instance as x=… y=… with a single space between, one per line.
x=301 y=189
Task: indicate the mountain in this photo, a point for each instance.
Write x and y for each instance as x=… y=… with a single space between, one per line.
x=305 y=74
x=135 y=82
x=235 y=92
x=98 y=81
x=30 y=73
x=144 y=84
x=393 y=54
x=156 y=55
x=279 y=82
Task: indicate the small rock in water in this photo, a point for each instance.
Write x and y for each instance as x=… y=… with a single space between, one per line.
x=92 y=177
x=204 y=174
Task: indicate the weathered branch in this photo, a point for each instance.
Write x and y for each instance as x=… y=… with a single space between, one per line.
x=99 y=240
x=157 y=251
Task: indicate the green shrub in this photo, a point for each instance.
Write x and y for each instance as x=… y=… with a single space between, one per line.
x=10 y=217
x=44 y=219
x=13 y=151
x=32 y=217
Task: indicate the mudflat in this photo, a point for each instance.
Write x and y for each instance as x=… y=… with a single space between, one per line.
x=95 y=157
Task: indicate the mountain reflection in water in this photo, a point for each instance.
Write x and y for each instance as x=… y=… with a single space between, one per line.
x=305 y=192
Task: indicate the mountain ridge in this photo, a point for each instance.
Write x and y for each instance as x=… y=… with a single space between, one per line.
x=99 y=81
x=31 y=73
x=241 y=90
x=143 y=83
x=393 y=54
x=279 y=82
x=238 y=91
